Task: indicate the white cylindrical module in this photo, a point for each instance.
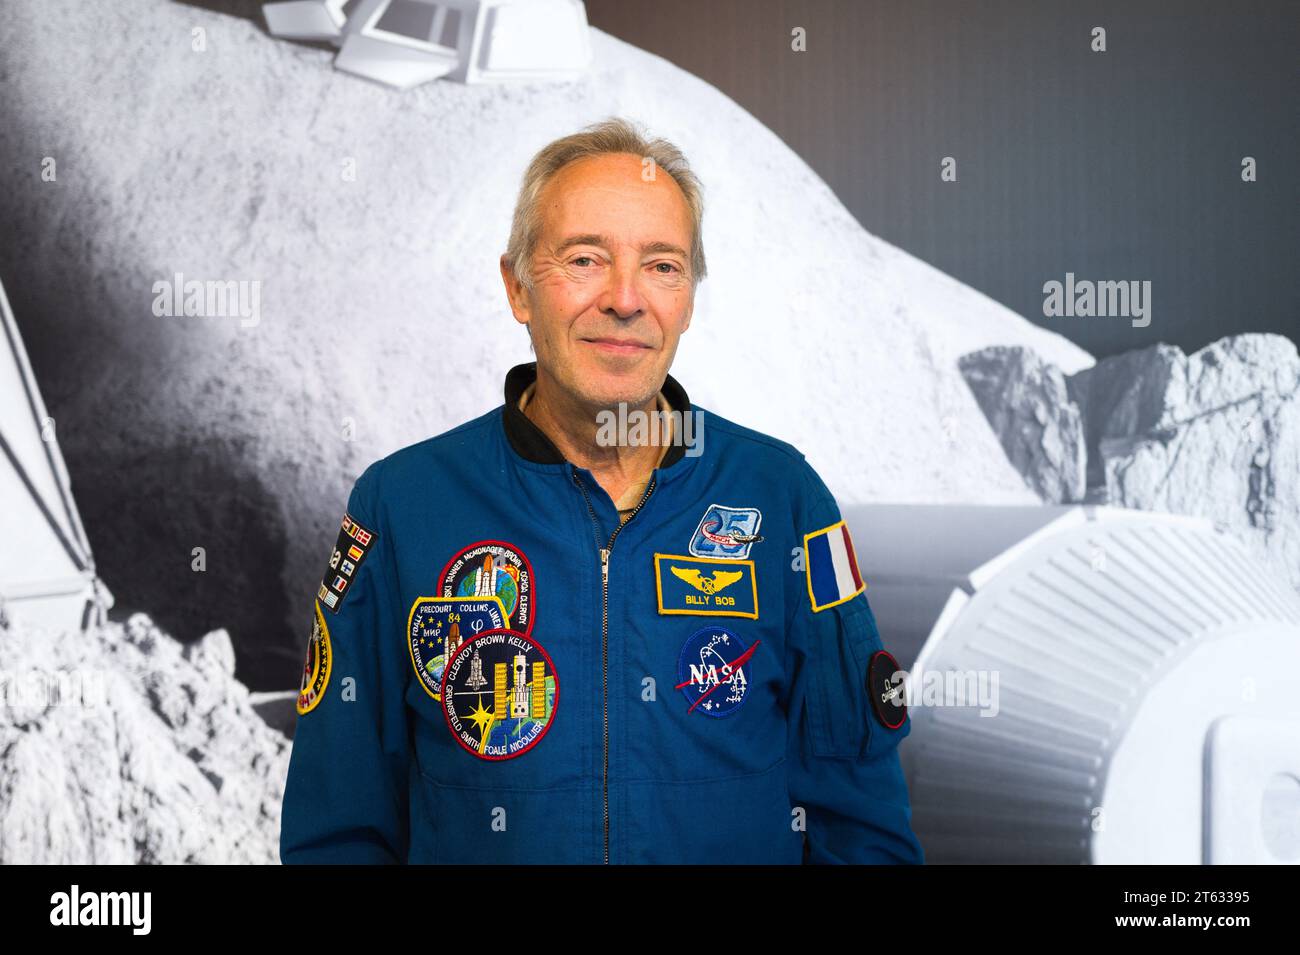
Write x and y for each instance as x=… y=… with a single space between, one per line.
x=1089 y=684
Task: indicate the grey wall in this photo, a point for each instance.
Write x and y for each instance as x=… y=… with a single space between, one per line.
x=1115 y=165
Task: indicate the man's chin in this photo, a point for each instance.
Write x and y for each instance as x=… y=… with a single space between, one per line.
x=605 y=389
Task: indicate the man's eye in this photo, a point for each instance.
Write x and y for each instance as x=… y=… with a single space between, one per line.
x=672 y=267
x=581 y=258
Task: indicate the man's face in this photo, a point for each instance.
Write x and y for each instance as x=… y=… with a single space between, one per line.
x=612 y=292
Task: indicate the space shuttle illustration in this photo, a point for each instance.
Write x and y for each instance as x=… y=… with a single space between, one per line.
x=485 y=577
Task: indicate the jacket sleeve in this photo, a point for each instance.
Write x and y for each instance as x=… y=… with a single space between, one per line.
x=843 y=754
x=345 y=799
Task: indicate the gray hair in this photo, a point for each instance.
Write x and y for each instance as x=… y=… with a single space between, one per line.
x=613 y=135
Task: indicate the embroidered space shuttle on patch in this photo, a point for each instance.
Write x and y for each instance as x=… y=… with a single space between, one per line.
x=832 y=567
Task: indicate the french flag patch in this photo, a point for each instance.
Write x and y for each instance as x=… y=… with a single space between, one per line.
x=832 y=567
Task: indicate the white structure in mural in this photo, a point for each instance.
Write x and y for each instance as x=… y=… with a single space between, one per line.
x=404 y=43
x=1144 y=709
x=47 y=576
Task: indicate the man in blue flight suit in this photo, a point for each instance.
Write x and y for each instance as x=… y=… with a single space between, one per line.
x=597 y=624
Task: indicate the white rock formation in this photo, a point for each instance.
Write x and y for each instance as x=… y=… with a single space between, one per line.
x=121 y=746
x=1026 y=403
x=1215 y=434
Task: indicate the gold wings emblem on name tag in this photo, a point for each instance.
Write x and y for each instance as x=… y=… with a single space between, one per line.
x=720 y=580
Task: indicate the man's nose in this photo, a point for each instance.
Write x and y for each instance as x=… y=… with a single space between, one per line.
x=623 y=295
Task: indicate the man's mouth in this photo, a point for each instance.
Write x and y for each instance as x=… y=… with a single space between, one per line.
x=618 y=346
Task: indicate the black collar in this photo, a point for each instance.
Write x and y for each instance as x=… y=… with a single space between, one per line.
x=532 y=444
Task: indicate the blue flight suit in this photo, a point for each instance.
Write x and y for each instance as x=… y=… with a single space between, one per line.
x=661 y=690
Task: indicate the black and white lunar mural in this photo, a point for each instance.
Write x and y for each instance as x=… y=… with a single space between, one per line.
x=348 y=232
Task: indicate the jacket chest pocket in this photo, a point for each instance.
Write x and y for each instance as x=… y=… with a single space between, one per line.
x=710 y=700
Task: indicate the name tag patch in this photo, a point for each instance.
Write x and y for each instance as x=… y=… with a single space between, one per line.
x=706 y=587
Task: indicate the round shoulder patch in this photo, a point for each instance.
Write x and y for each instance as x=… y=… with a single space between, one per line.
x=493 y=569
x=316 y=668
x=436 y=628
x=713 y=671
x=499 y=694
x=887 y=695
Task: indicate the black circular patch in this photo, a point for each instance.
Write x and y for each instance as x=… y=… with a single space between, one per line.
x=887 y=697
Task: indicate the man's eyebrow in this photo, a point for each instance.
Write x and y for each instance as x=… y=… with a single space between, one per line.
x=590 y=238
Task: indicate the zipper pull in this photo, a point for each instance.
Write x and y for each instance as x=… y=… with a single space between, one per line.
x=604 y=564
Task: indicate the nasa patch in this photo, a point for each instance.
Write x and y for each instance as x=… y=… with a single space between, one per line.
x=437 y=626
x=887 y=694
x=713 y=671
x=350 y=551
x=726 y=532
x=493 y=569
x=316 y=668
x=499 y=694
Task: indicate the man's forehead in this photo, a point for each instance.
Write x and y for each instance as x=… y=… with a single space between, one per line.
x=608 y=242
x=610 y=179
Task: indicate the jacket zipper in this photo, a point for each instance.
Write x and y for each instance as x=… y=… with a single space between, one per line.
x=604 y=627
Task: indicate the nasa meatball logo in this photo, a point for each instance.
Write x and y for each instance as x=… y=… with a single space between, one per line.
x=499 y=694
x=713 y=671
x=493 y=569
x=887 y=694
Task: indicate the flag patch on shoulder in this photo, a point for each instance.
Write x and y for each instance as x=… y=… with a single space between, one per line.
x=832 y=567
x=350 y=551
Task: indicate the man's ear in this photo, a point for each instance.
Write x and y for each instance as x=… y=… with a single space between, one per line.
x=516 y=294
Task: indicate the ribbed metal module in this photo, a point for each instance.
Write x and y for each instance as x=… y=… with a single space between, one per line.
x=1088 y=684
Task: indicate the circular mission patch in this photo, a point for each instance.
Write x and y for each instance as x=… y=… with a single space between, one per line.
x=499 y=693
x=493 y=569
x=713 y=671
x=887 y=695
x=316 y=669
